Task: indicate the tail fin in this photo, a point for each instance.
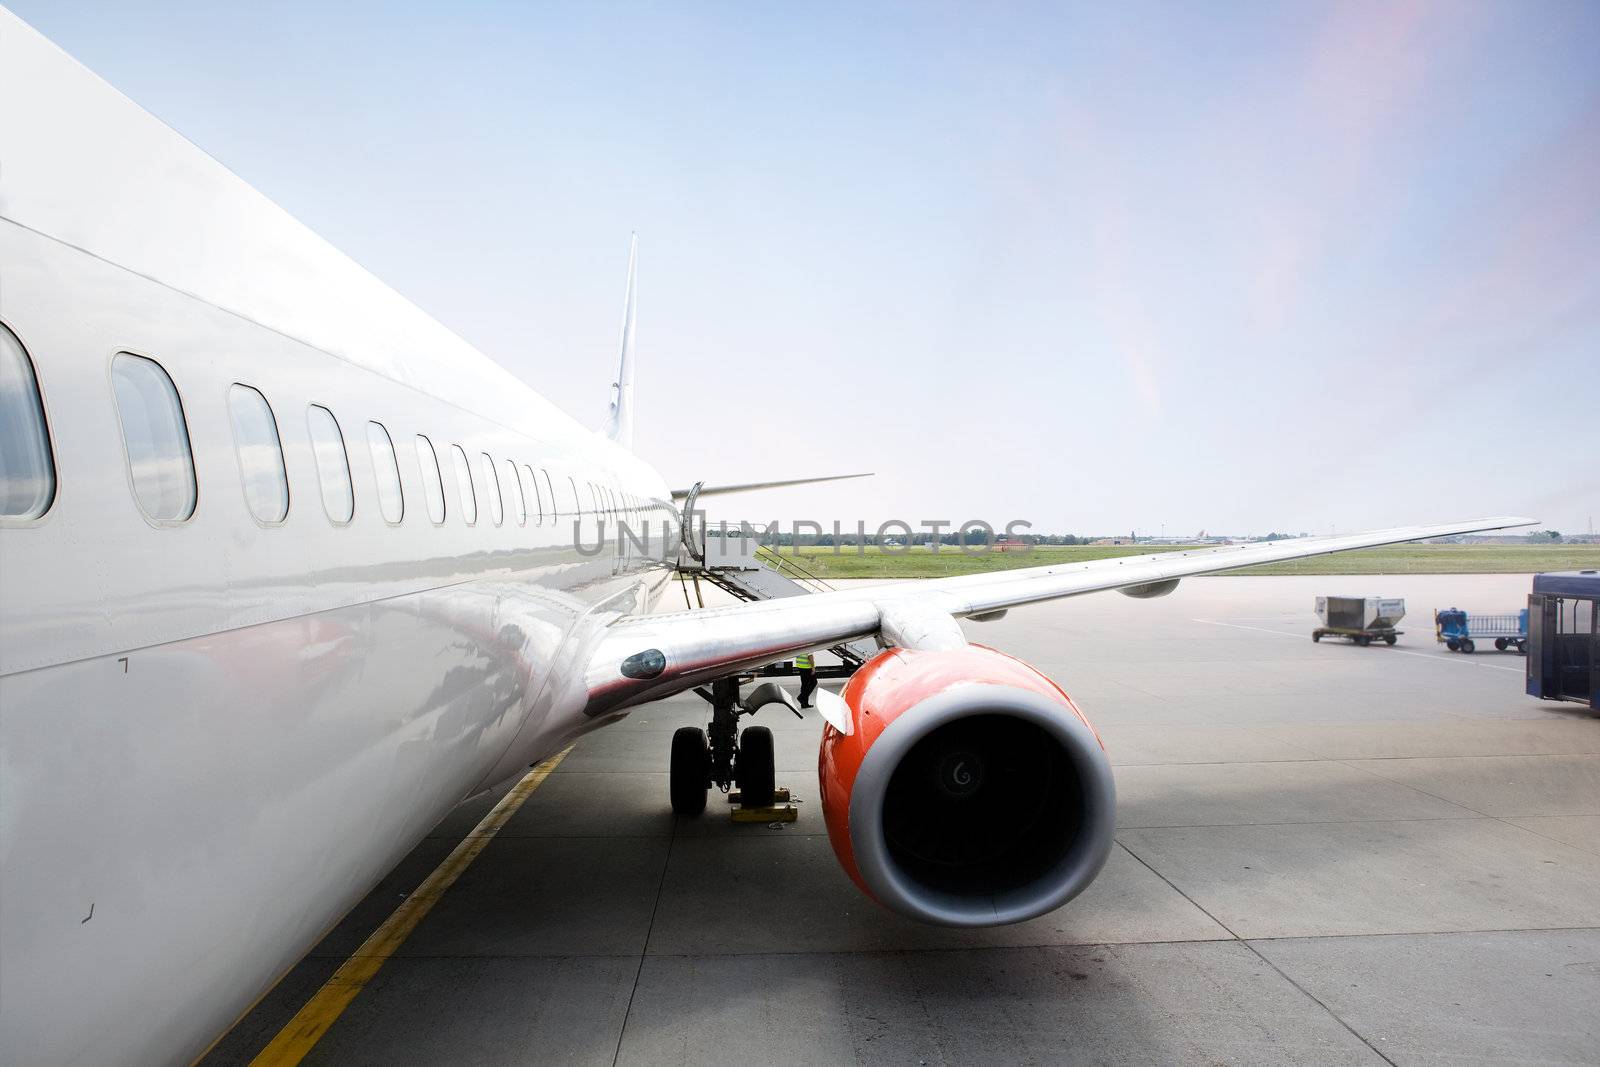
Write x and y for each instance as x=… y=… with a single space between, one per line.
x=619 y=418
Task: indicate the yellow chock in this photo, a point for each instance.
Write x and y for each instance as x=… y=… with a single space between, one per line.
x=779 y=796
x=776 y=813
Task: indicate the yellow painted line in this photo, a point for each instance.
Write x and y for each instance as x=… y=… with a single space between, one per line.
x=301 y=1033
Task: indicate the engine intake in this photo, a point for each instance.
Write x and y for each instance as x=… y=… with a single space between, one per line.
x=970 y=791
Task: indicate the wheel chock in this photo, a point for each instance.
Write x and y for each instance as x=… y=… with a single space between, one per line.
x=779 y=796
x=776 y=813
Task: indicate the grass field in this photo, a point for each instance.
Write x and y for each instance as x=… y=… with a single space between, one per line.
x=919 y=562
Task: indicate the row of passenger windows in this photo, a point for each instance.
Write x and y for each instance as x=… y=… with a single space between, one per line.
x=161 y=459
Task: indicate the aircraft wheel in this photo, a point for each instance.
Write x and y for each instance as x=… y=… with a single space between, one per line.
x=691 y=771
x=1467 y=645
x=1499 y=644
x=1389 y=639
x=756 y=767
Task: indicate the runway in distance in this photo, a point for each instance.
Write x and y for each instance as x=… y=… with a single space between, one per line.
x=288 y=570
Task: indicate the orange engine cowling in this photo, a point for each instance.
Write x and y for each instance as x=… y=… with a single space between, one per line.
x=971 y=790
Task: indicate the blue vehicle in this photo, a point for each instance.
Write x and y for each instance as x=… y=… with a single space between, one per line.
x=1462 y=630
x=1564 y=644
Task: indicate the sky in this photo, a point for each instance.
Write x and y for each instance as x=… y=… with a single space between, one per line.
x=1156 y=267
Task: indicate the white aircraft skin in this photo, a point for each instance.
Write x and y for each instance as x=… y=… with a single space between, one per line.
x=217 y=735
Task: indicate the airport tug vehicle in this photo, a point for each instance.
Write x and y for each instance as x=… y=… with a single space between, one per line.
x=1460 y=631
x=1362 y=620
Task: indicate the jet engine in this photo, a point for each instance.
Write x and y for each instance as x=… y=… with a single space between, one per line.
x=969 y=790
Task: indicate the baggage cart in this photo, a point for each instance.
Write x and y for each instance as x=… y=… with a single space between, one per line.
x=1360 y=619
x=1460 y=631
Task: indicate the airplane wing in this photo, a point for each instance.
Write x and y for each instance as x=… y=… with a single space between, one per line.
x=646 y=657
x=700 y=489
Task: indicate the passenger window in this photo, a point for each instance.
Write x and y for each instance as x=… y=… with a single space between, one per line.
x=156 y=438
x=469 y=498
x=491 y=489
x=255 y=439
x=386 y=467
x=27 y=470
x=520 y=496
x=535 y=495
x=333 y=464
x=432 y=483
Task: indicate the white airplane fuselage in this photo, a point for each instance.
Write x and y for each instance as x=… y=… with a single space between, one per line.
x=217 y=735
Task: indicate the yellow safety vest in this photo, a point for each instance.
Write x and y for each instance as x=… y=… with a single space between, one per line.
x=804 y=662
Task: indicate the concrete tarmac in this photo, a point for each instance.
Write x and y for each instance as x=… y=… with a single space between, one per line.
x=1325 y=854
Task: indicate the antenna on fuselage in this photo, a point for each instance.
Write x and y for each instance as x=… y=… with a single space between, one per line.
x=619 y=417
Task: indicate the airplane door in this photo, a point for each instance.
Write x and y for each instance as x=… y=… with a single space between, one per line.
x=694 y=541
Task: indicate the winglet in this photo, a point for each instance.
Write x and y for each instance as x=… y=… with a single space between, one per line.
x=619 y=417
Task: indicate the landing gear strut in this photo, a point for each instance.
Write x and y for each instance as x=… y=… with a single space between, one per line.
x=724 y=756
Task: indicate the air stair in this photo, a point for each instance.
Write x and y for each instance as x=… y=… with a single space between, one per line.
x=740 y=567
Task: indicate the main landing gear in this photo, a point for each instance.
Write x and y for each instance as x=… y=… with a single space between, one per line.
x=724 y=756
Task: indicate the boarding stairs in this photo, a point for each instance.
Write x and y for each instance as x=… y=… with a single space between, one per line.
x=742 y=568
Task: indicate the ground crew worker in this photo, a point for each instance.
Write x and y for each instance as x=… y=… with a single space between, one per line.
x=807 y=666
